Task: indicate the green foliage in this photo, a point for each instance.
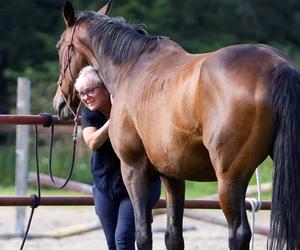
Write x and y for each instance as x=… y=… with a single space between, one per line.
x=7 y=161
x=61 y=160
x=201 y=189
x=11 y=190
x=62 y=156
x=29 y=33
x=43 y=81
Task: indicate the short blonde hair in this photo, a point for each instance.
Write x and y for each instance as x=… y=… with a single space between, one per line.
x=88 y=76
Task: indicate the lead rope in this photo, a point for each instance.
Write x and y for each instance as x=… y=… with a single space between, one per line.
x=74 y=139
x=255 y=204
x=35 y=198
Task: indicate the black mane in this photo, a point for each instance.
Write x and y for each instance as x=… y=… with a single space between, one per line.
x=116 y=38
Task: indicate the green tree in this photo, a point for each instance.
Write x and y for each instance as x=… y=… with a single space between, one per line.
x=29 y=32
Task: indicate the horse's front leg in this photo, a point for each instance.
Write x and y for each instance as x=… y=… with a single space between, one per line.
x=137 y=182
x=175 y=192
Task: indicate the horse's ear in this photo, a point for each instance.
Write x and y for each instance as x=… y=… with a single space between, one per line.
x=105 y=9
x=68 y=14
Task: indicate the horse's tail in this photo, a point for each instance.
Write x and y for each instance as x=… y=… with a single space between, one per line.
x=285 y=226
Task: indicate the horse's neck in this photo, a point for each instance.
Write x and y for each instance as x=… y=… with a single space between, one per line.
x=109 y=73
x=112 y=74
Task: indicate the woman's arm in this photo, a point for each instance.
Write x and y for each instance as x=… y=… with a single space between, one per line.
x=94 y=137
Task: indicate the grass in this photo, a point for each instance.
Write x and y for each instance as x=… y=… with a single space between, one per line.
x=11 y=191
x=193 y=189
x=62 y=150
x=202 y=189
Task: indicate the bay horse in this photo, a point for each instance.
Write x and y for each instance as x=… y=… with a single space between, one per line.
x=200 y=117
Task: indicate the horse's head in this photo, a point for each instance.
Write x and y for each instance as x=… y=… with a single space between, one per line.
x=73 y=56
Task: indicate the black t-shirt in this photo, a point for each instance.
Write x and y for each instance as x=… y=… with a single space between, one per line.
x=105 y=165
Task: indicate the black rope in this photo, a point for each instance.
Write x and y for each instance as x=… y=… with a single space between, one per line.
x=35 y=198
x=49 y=122
x=73 y=158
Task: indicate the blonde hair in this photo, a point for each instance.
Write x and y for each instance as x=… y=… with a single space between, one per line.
x=88 y=75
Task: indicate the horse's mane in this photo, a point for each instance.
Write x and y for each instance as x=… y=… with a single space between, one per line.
x=116 y=38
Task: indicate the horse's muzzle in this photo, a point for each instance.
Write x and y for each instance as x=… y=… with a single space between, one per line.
x=61 y=109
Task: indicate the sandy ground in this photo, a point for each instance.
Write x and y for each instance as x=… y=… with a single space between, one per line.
x=50 y=222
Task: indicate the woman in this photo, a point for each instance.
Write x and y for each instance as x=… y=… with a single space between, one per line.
x=111 y=199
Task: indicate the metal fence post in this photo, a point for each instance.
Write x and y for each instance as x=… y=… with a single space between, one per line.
x=22 y=148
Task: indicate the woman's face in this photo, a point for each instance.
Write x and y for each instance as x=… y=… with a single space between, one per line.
x=94 y=96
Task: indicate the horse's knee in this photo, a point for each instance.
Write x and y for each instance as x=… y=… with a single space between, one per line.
x=240 y=239
x=174 y=240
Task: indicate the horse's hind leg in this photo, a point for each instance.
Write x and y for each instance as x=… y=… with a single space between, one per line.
x=232 y=200
x=175 y=191
x=235 y=164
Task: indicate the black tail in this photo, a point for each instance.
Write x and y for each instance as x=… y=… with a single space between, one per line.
x=285 y=226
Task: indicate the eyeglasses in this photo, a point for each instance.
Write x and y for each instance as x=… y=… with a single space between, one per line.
x=90 y=92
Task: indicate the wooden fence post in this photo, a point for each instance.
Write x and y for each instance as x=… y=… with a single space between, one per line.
x=22 y=150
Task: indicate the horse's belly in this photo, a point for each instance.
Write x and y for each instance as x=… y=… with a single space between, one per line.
x=191 y=163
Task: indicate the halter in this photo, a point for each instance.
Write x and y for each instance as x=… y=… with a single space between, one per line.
x=70 y=52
